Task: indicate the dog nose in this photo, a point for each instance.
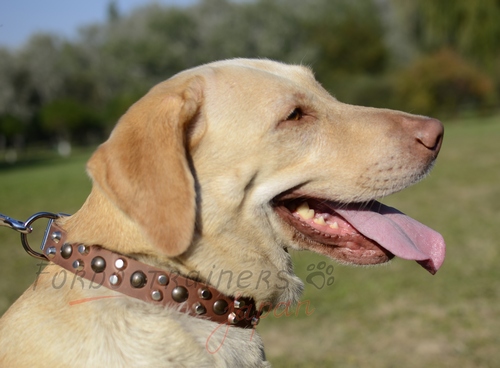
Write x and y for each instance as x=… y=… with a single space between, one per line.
x=429 y=133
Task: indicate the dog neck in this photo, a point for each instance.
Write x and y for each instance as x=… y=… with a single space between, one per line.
x=150 y=284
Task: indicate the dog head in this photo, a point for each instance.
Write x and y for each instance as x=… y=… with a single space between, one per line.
x=224 y=167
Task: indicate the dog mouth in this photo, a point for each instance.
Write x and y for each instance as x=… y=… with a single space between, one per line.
x=360 y=233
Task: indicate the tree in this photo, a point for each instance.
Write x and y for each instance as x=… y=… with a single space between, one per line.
x=349 y=38
x=67 y=118
x=470 y=27
x=443 y=82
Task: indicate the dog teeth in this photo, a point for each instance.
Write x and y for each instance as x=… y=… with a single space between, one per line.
x=320 y=220
x=304 y=211
x=335 y=225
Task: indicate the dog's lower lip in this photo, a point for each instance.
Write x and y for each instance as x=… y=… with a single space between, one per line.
x=381 y=232
x=346 y=245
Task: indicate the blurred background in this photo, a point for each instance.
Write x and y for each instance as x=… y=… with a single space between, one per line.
x=69 y=70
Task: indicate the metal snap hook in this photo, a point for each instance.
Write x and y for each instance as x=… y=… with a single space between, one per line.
x=14 y=224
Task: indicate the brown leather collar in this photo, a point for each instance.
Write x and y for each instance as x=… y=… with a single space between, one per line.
x=153 y=285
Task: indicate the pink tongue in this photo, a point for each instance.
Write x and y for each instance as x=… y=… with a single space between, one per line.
x=401 y=235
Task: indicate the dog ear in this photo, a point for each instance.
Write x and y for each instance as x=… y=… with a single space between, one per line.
x=143 y=168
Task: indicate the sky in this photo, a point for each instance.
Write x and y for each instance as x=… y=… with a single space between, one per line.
x=19 y=19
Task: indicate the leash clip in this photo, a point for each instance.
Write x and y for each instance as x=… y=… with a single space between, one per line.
x=14 y=224
x=25 y=228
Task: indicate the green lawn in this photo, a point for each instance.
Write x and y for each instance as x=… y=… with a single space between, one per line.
x=390 y=316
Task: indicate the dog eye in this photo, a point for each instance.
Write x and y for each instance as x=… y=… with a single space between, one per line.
x=295 y=115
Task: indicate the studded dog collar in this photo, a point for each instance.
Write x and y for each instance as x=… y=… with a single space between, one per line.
x=153 y=285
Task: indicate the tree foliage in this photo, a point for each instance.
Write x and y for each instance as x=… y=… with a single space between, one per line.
x=428 y=88
x=469 y=27
x=78 y=88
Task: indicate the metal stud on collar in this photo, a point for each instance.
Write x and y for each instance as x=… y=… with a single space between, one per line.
x=238 y=304
x=66 y=251
x=156 y=295
x=232 y=319
x=98 y=264
x=51 y=252
x=114 y=279
x=220 y=307
x=199 y=309
x=162 y=280
x=180 y=294
x=120 y=264
x=78 y=265
x=205 y=294
x=83 y=249
x=56 y=236
x=138 y=279
x=255 y=321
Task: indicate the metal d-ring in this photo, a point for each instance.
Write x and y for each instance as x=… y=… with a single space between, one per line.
x=24 y=236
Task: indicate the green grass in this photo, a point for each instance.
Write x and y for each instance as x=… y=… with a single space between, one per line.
x=54 y=185
x=396 y=315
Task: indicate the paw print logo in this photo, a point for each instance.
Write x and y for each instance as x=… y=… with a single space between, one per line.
x=320 y=275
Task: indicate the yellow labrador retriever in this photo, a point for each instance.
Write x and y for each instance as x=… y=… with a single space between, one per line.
x=214 y=175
